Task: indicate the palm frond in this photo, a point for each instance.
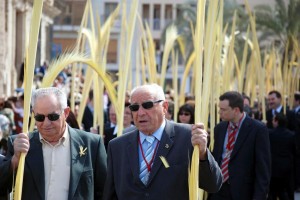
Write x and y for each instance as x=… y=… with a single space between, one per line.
x=28 y=81
x=282 y=10
x=263 y=8
x=171 y=36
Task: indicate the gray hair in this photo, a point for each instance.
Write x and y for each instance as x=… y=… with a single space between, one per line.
x=42 y=92
x=153 y=89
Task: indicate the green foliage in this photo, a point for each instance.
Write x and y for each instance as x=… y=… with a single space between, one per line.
x=279 y=24
x=187 y=16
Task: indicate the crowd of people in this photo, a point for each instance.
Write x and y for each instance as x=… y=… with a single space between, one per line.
x=251 y=159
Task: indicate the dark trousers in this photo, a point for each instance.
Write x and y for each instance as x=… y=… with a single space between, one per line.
x=297 y=170
x=4 y=197
x=223 y=194
x=280 y=187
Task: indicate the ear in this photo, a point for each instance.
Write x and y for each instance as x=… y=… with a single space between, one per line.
x=236 y=110
x=165 y=106
x=67 y=111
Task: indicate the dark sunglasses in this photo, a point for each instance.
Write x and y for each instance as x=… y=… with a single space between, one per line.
x=145 y=105
x=186 y=114
x=52 y=117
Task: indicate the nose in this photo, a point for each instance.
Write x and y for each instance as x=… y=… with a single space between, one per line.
x=46 y=121
x=141 y=110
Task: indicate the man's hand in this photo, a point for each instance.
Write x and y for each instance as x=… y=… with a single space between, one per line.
x=199 y=137
x=21 y=145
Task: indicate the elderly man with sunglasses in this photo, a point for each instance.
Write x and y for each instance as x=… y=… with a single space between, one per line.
x=61 y=162
x=152 y=161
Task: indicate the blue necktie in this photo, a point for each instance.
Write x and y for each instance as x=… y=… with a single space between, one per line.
x=148 y=155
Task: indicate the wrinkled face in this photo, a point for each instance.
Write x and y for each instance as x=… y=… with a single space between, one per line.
x=50 y=130
x=184 y=117
x=273 y=101
x=148 y=120
x=226 y=112
x=127 y=117
x=112 y=115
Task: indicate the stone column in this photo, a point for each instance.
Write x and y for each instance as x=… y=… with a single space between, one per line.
x=18 y=33
x=43 y=34
x=45 y=37
x=151 y=15
x=162 y=17
x=2 y=47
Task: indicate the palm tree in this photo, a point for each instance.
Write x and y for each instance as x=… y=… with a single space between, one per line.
x=188 y=14
x=280 y=24
x=186 y=17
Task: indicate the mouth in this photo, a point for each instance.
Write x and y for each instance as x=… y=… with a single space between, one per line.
x=142 y=121
x=47 y=129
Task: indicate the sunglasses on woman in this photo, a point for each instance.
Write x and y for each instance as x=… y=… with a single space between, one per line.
x=52 y=117
x=145 y=105
x=185 y=114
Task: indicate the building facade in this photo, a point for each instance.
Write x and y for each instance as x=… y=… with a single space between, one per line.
x=15 y=19
x=157 y=13
x=66 y=25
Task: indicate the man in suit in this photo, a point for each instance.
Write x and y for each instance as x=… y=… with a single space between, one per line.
x=296 y=122
x=283 y=151
x=247 y=106
x=152 y=161
x=88 y=114
x=61 y=162
x=111 y=132
x=274 y=103
x=242 y=149
x=275 y=106
x=296 y=104
x=3 y=190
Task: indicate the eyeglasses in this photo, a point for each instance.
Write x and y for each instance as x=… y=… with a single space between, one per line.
x=52 y=117
x=185 y=114
x=145 y=105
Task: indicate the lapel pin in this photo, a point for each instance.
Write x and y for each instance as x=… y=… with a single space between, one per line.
x=82 y=151
x=164 y=161
x=167 y=146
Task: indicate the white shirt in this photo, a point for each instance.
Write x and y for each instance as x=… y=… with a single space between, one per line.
x=297 y=109
x=57 y=161
x=277 y=110
x=226 y=137
x=157 y=134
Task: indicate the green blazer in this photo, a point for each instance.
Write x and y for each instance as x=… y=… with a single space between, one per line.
x=87 y=174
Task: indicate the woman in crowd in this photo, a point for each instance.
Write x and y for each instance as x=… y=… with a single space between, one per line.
x=186 y=114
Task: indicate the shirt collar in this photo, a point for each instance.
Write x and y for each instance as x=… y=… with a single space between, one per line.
x=157 y=134
x=90 y=107
x=278 y=109
x=115 y=130
x=297 y=109
x=238 y=124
